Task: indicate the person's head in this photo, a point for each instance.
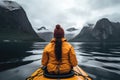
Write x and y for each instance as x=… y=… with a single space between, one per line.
x=58 y=34
x=58 y=31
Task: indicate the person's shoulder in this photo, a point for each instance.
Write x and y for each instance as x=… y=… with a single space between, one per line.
x=51 y=43
x=47 y=45
x=67 y=44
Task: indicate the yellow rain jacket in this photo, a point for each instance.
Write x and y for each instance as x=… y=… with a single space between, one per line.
x=68 y=57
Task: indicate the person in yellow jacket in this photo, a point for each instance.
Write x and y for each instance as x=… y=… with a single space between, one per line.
x=59 y=56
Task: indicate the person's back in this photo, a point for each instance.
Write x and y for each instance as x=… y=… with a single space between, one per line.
x=59 y=56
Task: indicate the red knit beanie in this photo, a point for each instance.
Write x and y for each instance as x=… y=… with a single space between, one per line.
x=58 y=32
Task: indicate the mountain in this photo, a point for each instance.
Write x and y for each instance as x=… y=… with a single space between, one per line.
x=116 y=32
x=42 y=28
x=71 y=29
x=14 y=24
x=70 y=33
x=84 y=35
x=104 y=30
x=44 y=33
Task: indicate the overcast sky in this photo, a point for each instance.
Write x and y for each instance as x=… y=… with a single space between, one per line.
x=69 y=13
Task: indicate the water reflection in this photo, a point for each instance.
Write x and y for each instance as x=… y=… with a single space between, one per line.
x=13 y=53
x=102 y=60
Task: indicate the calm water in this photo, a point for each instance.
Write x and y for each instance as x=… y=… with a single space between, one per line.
x=19 y=59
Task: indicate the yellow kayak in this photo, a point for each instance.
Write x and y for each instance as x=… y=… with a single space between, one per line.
x=79 y=74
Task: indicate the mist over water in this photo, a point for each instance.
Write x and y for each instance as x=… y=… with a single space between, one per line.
x=100 y=60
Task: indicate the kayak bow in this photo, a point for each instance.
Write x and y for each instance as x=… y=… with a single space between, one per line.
x=79 y=74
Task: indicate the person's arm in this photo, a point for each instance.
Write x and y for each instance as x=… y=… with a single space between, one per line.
x=45 y=56
x=73 y=58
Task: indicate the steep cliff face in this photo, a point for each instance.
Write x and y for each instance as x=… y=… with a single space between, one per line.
x=116 y=32
x=104 y=30
x=14 y=24
x=84 y=35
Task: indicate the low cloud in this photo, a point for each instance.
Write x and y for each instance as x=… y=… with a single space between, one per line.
x=69 y=12
x=102 y=4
